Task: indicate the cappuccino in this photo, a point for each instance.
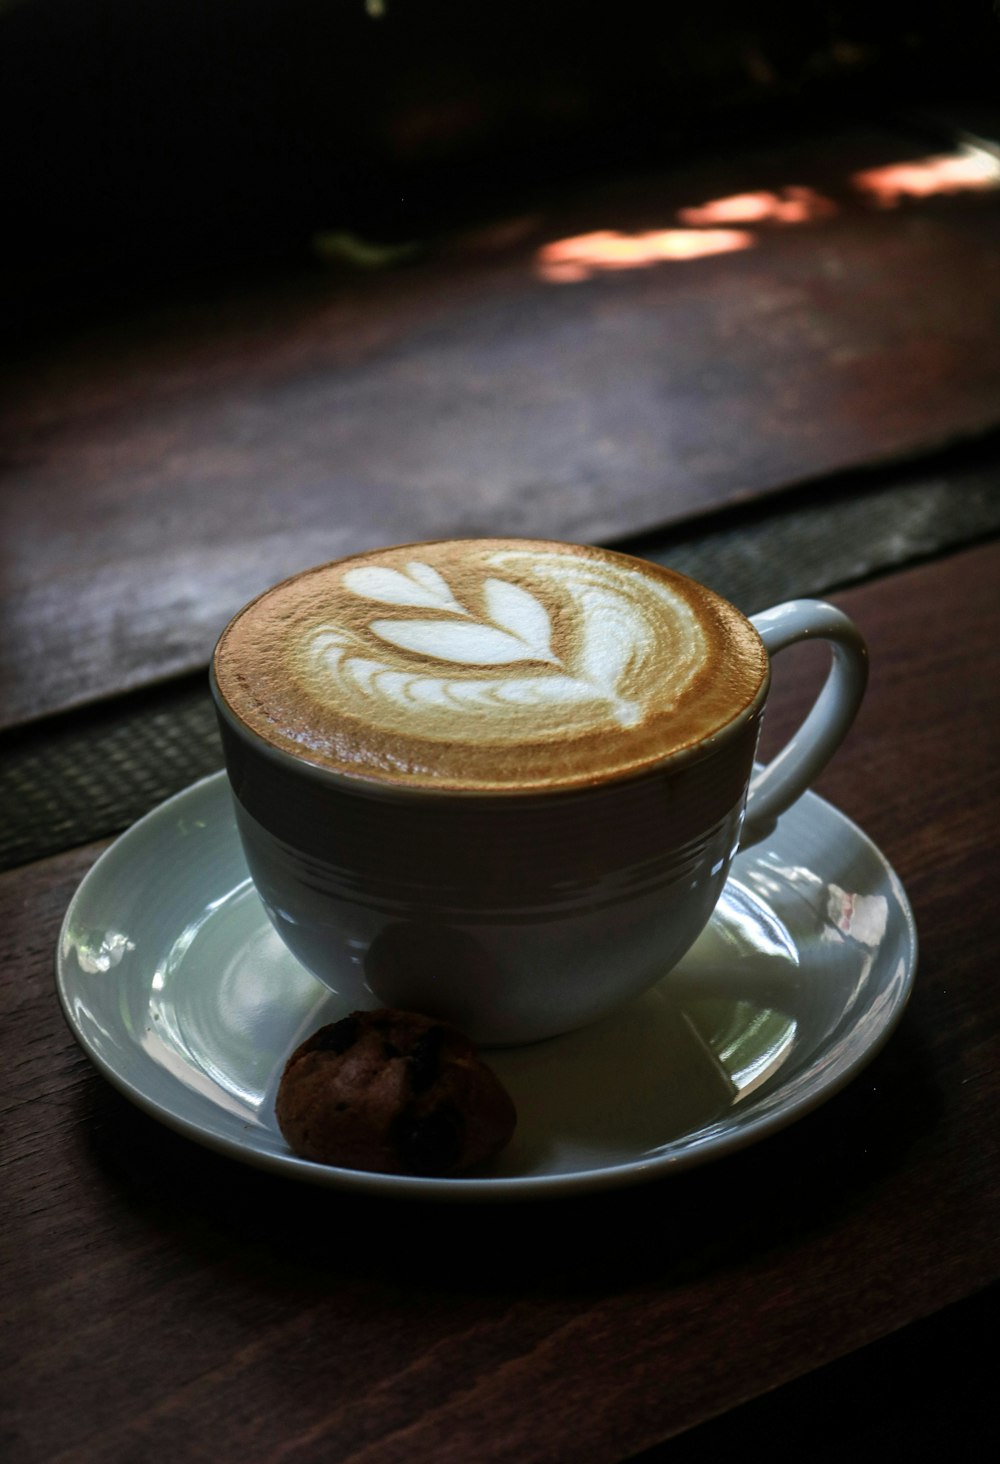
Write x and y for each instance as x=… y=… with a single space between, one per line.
x=489 y=664
x=500 y=781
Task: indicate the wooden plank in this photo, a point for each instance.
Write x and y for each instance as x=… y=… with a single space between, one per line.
x=161 y=470
x=74 y=779
x=180 y=1305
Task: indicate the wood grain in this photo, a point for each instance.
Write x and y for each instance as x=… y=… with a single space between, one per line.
x=161 y=470
x=180 y=1306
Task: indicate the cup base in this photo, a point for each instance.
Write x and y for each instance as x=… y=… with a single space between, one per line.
x=502 y=977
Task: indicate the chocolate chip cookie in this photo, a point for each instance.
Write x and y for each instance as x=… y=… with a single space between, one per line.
x=393 y=1092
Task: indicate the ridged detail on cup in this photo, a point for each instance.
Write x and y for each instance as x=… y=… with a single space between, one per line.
x=510 y=964
x=502 y=853
x=513 y=917
x=487 y=889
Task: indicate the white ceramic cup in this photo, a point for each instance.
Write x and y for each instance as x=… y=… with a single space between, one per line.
x=519 y=916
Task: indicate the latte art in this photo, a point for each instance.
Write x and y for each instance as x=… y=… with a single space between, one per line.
x=428 y=671
x=488 y=663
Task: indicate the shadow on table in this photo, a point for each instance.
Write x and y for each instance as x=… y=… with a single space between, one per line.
x=924 y=1393
x=677 y=1230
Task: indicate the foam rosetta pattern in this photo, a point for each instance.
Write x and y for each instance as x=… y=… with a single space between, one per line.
x=488 y=663
x=589 y=645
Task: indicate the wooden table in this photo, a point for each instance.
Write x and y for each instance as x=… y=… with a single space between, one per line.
x=164 y=1303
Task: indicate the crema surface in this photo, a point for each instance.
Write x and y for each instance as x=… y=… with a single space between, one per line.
x=488 y=664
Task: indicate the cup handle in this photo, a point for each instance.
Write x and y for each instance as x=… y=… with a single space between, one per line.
x=787 y=776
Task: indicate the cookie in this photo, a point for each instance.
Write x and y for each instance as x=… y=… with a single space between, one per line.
x=393 y=1092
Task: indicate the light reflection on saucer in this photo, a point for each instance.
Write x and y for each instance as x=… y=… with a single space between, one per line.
x=749 y=1043
x=227 y=1003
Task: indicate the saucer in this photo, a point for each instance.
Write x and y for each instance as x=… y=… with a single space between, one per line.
x=178 y=989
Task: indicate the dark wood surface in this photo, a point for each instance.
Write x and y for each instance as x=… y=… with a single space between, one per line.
x=160 y=470
x=165 y=1303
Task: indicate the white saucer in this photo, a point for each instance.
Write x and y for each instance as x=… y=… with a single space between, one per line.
x=177 y=987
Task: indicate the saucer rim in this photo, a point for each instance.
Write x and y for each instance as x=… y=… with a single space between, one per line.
x=486 y=1188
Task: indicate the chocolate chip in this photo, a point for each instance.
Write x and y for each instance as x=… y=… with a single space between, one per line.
x=425 y=1059
x=339 y=1036
x=390 y=1050
x=430 y=1143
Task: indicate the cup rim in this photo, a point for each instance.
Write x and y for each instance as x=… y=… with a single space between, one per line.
x=373 y=786
x=376 y=785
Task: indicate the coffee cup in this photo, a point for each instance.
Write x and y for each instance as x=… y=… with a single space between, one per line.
x=502 y=781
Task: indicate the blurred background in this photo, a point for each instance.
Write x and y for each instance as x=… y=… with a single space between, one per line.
x=145 y=142
x=717 y=284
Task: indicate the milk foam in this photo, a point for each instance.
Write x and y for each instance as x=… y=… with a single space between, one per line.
x=425 y=672
x=428 y=662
